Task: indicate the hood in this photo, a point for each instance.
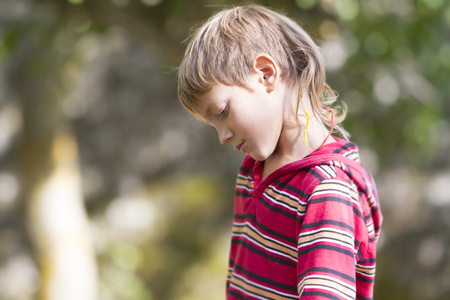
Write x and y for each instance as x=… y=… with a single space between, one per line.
x=345 y=155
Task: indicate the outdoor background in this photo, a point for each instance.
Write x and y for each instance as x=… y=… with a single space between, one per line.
x=110 y=190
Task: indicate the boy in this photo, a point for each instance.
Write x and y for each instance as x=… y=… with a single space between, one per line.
x=306 y=215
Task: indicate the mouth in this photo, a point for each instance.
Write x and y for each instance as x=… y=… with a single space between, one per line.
x=238 y=147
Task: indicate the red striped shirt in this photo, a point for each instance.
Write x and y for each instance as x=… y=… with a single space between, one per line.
x=307 y=231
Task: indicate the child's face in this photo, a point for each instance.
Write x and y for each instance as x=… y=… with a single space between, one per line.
x=250 y=118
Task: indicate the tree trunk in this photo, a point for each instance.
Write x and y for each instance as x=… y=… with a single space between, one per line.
x=60 y=229
x=53 y=201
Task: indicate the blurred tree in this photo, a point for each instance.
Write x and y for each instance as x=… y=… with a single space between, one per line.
x=38 y=79
x=96 y=76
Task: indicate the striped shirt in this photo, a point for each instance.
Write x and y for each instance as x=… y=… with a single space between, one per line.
x=307 y=231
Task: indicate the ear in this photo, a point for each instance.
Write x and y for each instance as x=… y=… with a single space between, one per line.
x=267 y=70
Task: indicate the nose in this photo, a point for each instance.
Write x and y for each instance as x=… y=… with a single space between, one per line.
x=225 y=135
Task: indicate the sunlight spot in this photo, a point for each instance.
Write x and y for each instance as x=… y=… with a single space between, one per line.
x=347 y=9
x=387 y=90
x=431 y=251
x=131 y=214
x=438 y=192
x=334 y=53
x=9 y=187
x=337 y=50
x=19 y=277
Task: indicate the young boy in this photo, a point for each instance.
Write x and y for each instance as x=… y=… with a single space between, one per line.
x=306 y=215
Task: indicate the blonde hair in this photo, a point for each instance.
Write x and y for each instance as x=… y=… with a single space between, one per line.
x=223 y=48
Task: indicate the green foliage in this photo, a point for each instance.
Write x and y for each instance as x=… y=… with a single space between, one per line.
x=347 y=10
x=8 y=43
x=305 y=4
x=184 y=240
x=420 y=132
x=76 y=1
x=128 y=256
x=394 y=76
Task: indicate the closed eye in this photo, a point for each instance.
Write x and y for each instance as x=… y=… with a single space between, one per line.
x=223 y=112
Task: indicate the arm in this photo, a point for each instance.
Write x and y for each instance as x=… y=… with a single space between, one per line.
x=327 y=248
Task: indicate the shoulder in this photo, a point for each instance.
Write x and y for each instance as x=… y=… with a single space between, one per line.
x=332 y=178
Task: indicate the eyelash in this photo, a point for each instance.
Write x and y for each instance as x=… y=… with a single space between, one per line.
x=224 y=112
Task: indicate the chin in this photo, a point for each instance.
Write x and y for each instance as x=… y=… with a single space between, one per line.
x=260 y=156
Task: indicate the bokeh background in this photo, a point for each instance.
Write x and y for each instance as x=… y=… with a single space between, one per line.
x=110 y=190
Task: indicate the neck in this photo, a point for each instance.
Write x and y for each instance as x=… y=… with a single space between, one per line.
x=291 y=145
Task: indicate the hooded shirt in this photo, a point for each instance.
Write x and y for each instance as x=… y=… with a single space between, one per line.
x=307 y=231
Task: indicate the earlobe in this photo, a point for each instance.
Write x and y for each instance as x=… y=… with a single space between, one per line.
x=267 y=69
